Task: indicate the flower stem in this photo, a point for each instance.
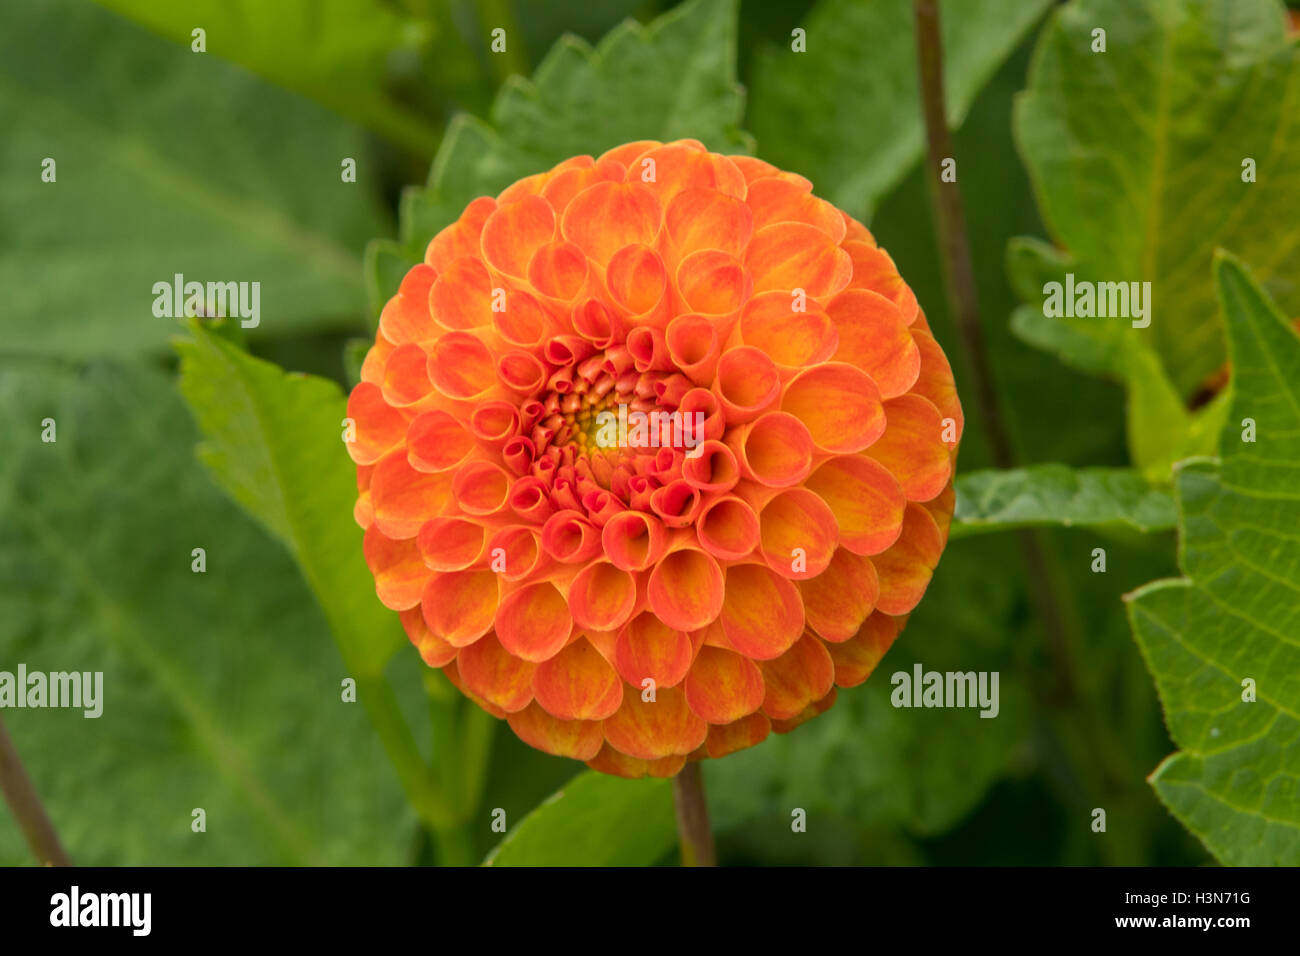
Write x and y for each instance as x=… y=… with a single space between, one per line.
x=963 y=301
x=693 y=818
x=26 y=806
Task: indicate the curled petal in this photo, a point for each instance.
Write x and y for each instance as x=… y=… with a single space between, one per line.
x=647 y=648
x=838 y=600
x=636 y=278
x=712 y=282
x=762 y=613
x=570 y=538
x=839 y=404
x=747 y=384
x=794 y=255
x=665 y=727
x=707 y=219
x=803 y=674
x=866 y=499
x=434 y=651
x=686 y=589
x=513 y=234
x=723 y=686
x=578 y=739
x=558 y=269
x=610 y=761
x=451 y=544
x=489 y=671
x=435 y=441
x=775 y=450
x=633 y=540
x=713 y=468
x=792 y=339
x=459 y=606
x=797 y=532
x=461 y=366
x=857 y=657
x=728 y=528
x=515 y=552
x=379 y=426
x=912 y=447
x=874 y=270
x=602 y=596
x=406 y=377
x=775 y=200
x=935 y=380
x=604 y=218
x=905 y=569
x=724 y=739
x=398 y=569
x=481 y=488
x=461 y=298
x=406 y=316
x=404 y=499
x=533 y=622
x=874 y=337
x=461 y=238
x=578 y=684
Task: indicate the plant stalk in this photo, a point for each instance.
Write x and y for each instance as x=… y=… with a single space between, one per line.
x=693 y=818
x=963 y=301
x=26 y=806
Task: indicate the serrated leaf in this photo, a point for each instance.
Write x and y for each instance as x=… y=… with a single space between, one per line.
x=167 y=162
x=273 y=441
x=1117 y=143
x=334 y=51
x=595 y=820
x=1059 y=495
x=846 y=113
x=220 y=690
x=1235 y=616
x=673 y=79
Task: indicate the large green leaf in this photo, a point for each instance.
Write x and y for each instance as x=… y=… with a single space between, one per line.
x=221 y=690
x=167 y=162
x=1233 y=617
x=846 y=113
x=675 y=78
x=595 y=820
x=273 y=441
x=1059 y=495
x=335 y=51
x=1136 y=155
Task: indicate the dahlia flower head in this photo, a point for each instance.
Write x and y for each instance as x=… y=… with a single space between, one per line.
x=638 y=596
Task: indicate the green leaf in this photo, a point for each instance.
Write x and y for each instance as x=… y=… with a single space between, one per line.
x=1136 y=156
x=1059 y=495
x=1161 y=431
x=273 y=441
x=334 y=51
x=595 y=820
x=220 y=689
x=673 y=79
x=1232 y=618
x=846 y=113
x=180 y=163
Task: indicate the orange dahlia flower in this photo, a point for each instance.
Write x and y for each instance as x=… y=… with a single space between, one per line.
x=636 y=597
